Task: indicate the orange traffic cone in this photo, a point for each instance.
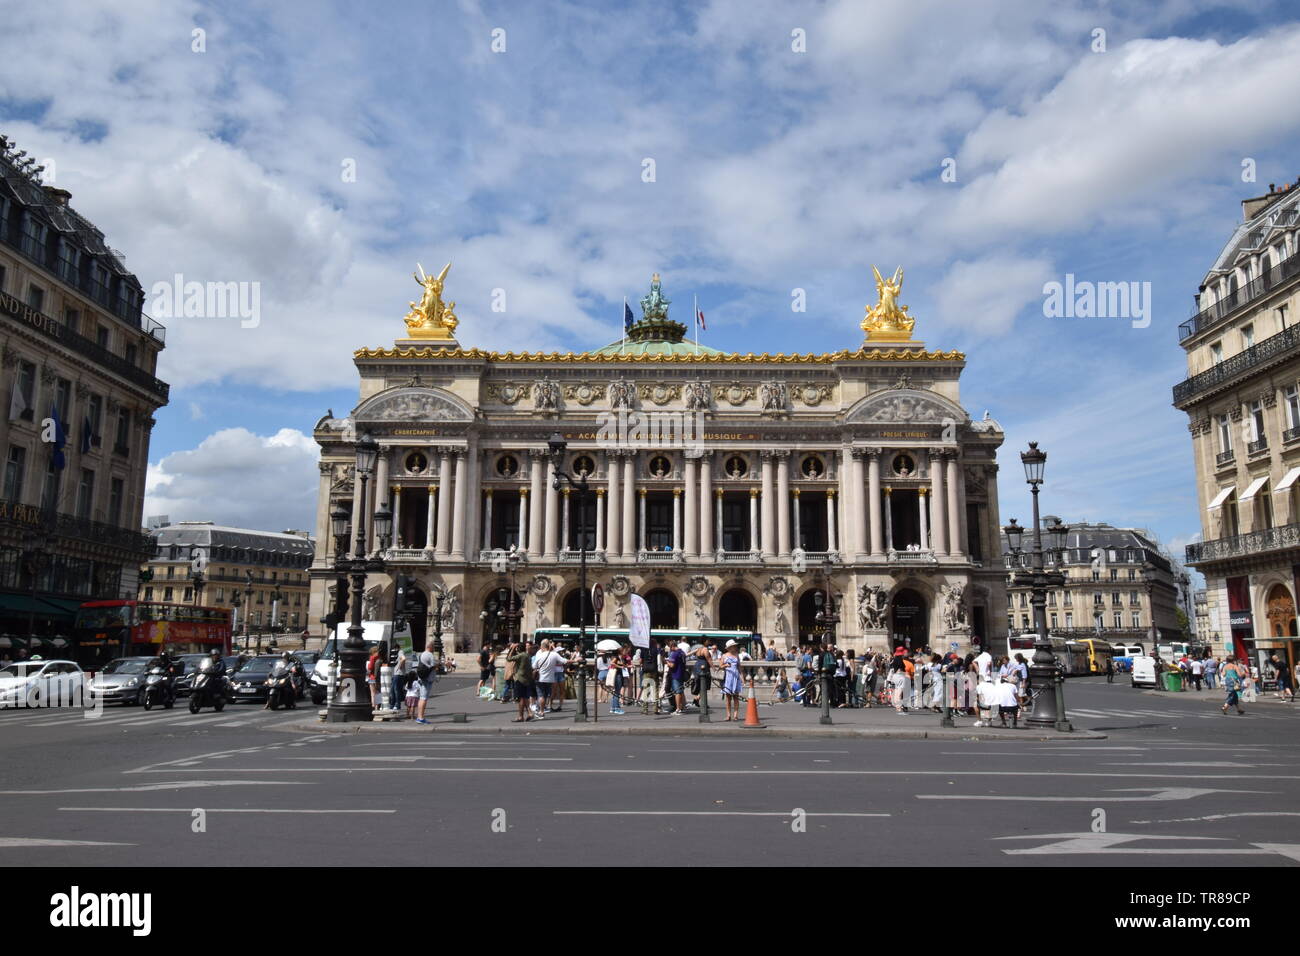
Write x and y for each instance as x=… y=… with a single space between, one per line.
x=751 y=708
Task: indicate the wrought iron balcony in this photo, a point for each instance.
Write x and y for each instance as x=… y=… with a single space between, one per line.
x=1255 y=447
x=1244 y=545
x=1272 y=349
x=1246 y=294
x=1225 y=457
x=56 y=525
x=1290 y=435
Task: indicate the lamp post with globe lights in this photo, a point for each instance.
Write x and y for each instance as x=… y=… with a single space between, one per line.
x=557 y=446
x=1048 y=708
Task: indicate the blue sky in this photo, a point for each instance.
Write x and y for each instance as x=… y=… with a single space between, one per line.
x=775 y=170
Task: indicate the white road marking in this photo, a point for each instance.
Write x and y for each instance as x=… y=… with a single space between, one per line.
x=1170 y=793
x=1069 y=844
x=178 y=785
x=624 y=771
x=1224 y=816
x=754 y=752
x=37 y=841
x=703 y=813
x=462 y=742
x=1194 y=763
x=406 y=758
x=207 y=810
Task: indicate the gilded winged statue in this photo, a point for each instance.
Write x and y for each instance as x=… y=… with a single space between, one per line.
x=431 y=314
x=887 y=315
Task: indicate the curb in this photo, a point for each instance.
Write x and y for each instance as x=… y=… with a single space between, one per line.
x=937 y=733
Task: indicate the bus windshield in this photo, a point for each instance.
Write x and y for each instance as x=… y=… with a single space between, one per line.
x=99 y=618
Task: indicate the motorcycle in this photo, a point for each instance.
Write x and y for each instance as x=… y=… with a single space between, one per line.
x=210 y=689
x=159 y=688
x=281 y=689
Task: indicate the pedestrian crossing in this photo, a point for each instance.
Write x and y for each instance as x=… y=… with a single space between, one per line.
x=133 y=717
x=1211 y=712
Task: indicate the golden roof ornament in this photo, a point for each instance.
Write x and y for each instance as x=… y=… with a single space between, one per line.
x=431 y=319
x=887 y=321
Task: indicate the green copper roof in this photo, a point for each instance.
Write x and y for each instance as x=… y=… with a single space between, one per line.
x=656 y=348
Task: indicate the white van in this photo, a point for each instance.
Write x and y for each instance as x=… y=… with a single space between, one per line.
x=1144 y=672
x=372 y=632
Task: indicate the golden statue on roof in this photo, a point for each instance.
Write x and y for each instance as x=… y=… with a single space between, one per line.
x=887 y=321
x=431 y=318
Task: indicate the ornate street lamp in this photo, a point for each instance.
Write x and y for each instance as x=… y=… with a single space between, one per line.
x=236 y=602
x=440 y=598
x=1149 y=579
x=826 y=617
x=1049 y=686
x=352 y=702
x=557 y=446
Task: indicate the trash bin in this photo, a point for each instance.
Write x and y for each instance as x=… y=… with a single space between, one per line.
x=1173 y=680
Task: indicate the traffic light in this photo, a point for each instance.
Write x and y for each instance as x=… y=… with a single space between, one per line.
x=392 y=652
x=341 y=600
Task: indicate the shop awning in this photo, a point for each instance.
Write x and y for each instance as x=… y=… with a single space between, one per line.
x=1253 y=488
x=22 y=604
x=1222 y=496
x=1288 y=480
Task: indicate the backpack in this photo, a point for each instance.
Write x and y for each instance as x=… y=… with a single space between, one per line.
x=423 y=670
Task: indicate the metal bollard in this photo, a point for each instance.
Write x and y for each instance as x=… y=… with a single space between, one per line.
x=385 y=686
x=946 y=719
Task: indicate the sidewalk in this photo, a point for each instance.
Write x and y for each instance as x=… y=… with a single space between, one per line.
x=1217 y=695
x=779 y=720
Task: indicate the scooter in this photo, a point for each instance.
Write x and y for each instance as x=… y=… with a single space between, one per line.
x=210 y=689
x=281 y=689
x=159 y=688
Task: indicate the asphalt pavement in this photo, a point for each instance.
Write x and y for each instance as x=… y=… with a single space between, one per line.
x=1173 y=783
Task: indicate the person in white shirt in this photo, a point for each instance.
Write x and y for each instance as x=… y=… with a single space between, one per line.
x=544 y=666
x=1008 y=703
x=984 y=663
x=987 y=696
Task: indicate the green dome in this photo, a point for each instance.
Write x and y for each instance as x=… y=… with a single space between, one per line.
x=656 y=348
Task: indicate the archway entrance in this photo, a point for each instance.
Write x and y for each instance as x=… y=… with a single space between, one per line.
x=737 y=611
x=909 y=620
x=664 y=608
x=495 y=625
x=417 y=614
x=807 y=616
x=577 y=605
x=1281 y=612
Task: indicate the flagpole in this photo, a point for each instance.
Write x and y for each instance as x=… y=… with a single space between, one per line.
x=697 y=323
x=623 y=321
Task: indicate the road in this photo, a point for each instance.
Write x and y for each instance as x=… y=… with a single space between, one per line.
x=1175 y=783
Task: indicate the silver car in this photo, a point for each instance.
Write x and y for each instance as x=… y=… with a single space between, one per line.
x=38 y=683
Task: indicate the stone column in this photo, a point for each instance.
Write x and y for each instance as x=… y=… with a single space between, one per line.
x=564 y=521
x=874 y=502
x=855 y=514
x=473 y=499
x=706 y=506
x=378 y=492
x=783 y=503
x=525 y=539
x=796 y=540
x=444 y=503
x=641 y=535
x=753 y=519
x=717 y=520
x=830 y=519
x=600 y=520
x=937 y=496
x=614 y=543
x=956 y=544
x=629 y=505
x=460 y=507
x=487 y=520
x=396 y=491
x=692 y=507
x=920 y=511
x=551 y=517
x=768 y=531
x=889 y=519
x=677 y=519
x=428 y=522
x=536 y=502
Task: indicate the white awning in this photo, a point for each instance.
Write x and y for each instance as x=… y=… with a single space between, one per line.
x=1288 y=481
x=1222 y=496
x=1253 y=489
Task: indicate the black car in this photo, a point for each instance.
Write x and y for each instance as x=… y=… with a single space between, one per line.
x=249 y=682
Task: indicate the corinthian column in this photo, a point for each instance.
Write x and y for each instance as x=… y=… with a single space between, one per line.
x=396 y=491
x=629 y=505
x=600 y=520
x=614 y=544
x=458 y=514
x=783 y=503
x=641 y=536
x=920 y=511
x=692 y=508
x=706 y=506
x=873 y=494
x=855 y=515
x=677 y=519
x=487 y=520
x=889 y=518
x=428 y=518
x=797 y=541
x=768 y=533
x=830 y=519
x=551 y=519
x=753 y=519
x=525 y=539
x=937 y=496
x=444 y=503
x=956 y=546
x=564 y=525
x=378 y=493
x=536 y=502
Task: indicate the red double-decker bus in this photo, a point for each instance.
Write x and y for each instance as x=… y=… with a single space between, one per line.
x=107 y=629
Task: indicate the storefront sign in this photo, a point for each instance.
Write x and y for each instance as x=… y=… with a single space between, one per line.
x=1239 y=619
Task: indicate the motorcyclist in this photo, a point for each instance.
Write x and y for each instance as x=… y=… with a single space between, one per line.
x=218 y=667
x=292 y=666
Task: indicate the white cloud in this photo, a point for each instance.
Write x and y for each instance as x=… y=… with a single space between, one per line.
x=234 y=477
x=987 y=294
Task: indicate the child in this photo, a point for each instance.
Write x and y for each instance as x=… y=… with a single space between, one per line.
x=1008 y=703
x=412 y=698
x=797 y=687
x=783 y=689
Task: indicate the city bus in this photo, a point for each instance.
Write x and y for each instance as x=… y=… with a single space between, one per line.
x=1078 y=658
x=103 y=630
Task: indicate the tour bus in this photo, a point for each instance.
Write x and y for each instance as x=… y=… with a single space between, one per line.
x=106 y=629
x=1078 y=658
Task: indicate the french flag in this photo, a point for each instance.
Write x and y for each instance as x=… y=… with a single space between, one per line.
x=699 y=318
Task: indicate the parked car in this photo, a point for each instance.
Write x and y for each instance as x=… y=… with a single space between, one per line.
x=249 y=682
x=121 y=681
x=39 y=683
